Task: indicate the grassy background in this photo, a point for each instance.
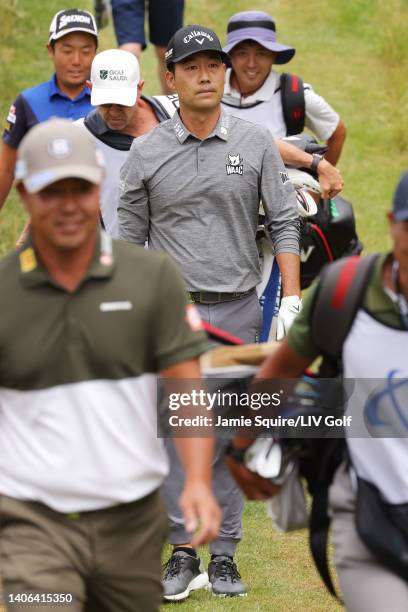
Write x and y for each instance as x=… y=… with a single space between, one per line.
x=355 y=54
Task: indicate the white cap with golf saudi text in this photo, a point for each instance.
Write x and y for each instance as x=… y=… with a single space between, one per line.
x=115 y=75
x=54 y=150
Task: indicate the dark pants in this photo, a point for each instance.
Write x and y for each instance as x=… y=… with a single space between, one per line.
x=109 y=560
x=165 y=17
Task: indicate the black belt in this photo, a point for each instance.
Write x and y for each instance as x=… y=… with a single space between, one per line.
x=210 y=297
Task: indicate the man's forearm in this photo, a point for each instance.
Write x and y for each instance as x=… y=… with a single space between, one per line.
x=5 y=186
x=289 y=266
x=196 y=455
x=330 y=179
x=335 y=144
x=7 y=165
x=293 y=156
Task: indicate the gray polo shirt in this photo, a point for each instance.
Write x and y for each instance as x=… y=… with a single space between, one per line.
x=199 y=200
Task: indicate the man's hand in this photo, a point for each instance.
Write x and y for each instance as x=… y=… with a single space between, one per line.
x=330 y=179
x=289 y=309
x=253 y=486
x=200 y=511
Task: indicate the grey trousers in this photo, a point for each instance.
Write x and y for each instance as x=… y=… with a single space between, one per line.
x=242 y=318
x=228 y=495
x=366 y=585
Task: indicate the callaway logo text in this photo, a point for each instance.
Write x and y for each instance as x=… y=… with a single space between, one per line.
x=235 y=165
x=195 y=34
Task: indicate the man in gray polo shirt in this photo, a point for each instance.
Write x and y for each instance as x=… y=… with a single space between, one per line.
x=192 y=187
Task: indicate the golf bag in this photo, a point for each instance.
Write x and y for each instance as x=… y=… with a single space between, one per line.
x=327 y=235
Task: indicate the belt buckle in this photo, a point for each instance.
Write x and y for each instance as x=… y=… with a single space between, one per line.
x=207 y=300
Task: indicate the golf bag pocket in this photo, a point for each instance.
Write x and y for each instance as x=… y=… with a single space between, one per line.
x=327 y=236
x=287 y=508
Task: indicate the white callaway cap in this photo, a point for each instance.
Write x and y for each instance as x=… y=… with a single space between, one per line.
x=115 y=75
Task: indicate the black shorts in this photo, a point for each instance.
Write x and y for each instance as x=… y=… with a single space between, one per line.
x=165 y=18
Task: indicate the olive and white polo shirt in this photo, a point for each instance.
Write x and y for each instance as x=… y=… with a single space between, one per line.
x=78 y=424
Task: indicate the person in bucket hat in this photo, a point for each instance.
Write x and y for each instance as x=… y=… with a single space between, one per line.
x=253 y=90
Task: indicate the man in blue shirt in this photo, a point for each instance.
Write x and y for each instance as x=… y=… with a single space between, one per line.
x=71 y=46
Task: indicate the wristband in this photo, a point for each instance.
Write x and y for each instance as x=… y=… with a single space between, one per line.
x=316 y=159
x=237 y=454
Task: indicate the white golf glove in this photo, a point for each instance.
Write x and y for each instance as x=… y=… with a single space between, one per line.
x=289 y=309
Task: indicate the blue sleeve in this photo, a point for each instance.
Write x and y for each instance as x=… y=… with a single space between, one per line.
x=19 y=120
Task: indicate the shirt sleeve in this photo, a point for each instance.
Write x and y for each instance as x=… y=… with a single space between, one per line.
x=279 y=201
x=16 y=123
x=320 y=118
x=300 y=333
x=133 y=204
x=179 y=333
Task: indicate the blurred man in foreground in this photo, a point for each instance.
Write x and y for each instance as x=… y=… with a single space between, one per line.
x=81 y=463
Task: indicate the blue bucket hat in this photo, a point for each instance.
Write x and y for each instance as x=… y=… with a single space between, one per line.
x=400 y=207
x=260 y=27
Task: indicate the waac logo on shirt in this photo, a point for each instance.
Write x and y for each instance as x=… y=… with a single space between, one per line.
x=235 y=165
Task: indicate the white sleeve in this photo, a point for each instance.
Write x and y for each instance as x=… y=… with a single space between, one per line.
x=321 y=118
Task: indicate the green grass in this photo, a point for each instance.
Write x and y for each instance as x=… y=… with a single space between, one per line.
x=355 y=53
x=277 y=569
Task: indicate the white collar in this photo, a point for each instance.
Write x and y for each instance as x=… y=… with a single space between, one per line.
x=263 y=94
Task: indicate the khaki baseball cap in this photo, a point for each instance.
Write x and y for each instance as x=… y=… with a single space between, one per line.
x=115 y=75
x=54 y=150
